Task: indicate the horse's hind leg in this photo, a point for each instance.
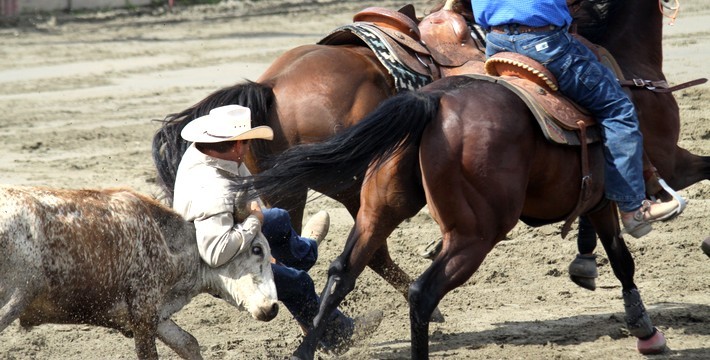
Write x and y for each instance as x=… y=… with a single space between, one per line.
x=688 y=170
x=638 y=322
x=459 y=258
x=381 y=262
x=364 y=240
x=387 y=198
x=392 y=193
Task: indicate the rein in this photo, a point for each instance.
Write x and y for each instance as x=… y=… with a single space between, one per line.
x=660 y=86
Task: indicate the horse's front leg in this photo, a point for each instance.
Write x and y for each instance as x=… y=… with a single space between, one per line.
x=650 y=340
x=381 y=262
x=583 y=269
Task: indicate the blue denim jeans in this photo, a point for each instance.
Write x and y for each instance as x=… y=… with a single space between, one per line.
x=294 y=287
x=583 y=79
x=288 y=247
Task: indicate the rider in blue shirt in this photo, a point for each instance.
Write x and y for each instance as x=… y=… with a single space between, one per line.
x=527 y=12
x=538 y=29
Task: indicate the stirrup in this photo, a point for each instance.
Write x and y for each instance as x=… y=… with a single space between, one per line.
x=682 y=203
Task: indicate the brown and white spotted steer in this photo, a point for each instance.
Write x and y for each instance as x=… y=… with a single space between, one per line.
x=117 y=259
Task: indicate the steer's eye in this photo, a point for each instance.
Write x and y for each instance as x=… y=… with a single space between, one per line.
x=257 y=250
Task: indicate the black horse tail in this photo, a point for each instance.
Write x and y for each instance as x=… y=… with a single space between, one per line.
x=342 y=160
x=168 y=147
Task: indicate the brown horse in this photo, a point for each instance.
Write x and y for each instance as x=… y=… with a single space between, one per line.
x=440 y=146
x=300 y=110
x=351 y=82
x=307 y=94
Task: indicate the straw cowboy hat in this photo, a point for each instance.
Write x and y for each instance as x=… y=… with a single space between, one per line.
x=225 y=123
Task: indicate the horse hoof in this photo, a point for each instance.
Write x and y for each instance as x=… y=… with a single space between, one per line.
x=437 y=316
x=583 y=271
x=584 y=282
x=432 y=249
x=656 y=344
x=706 y=246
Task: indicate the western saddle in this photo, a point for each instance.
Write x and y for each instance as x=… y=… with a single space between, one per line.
x=441 y=44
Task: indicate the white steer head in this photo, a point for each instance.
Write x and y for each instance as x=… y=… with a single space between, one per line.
x=246 y=281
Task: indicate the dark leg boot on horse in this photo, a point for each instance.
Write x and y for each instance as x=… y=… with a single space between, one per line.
x=650 y=339
x=583 y=271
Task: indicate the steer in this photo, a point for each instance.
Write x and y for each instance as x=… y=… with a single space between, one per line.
x=118 y=259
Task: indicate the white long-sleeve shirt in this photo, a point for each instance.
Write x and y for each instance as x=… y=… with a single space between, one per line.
x=204 y=195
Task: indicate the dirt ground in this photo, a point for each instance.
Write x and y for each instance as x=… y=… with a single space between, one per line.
x=78 y=96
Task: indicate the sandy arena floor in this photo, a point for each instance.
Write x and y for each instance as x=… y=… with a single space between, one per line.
x=77 y=98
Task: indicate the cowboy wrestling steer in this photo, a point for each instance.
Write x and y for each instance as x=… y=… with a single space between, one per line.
x=117 y=259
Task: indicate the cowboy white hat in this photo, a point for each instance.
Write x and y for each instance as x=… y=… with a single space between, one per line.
x=225 y=123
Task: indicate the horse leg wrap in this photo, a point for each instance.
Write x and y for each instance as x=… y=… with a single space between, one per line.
x=637 y=320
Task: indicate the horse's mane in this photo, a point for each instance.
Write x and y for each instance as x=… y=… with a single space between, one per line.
x=592 y=17
x=168 y=146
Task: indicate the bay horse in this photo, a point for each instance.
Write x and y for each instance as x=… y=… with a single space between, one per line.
x=440 y=145
x=350 y=83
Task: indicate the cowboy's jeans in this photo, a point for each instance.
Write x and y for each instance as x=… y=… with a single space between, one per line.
x=582 y=78
x=286 y=246
x=294 y=287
